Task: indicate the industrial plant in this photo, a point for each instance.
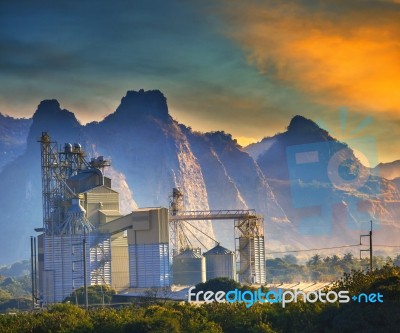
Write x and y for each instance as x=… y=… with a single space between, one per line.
x=85 y=240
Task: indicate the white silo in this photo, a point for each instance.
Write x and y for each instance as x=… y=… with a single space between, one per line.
x=220 y=262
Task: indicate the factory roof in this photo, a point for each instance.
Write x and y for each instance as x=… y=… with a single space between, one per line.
x=189 y=253
x=218 y=250
x=100 y=189
x=302 y=286
x=84 y=174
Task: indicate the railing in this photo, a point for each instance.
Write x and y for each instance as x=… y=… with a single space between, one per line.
x=213 y=214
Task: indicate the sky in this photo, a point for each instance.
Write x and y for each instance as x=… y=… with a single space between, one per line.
x=245 y=67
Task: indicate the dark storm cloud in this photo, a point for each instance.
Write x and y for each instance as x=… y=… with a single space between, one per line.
x=120 y=43
x=117 y=36
x=28 y=59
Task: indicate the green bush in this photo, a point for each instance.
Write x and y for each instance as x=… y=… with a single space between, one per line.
x=226 y=317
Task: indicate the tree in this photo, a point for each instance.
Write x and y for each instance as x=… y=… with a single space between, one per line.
x=315 y=260
x=359 y=281
x=99 y=294
x=348 y=258
x=218 y=284
x=290 y=258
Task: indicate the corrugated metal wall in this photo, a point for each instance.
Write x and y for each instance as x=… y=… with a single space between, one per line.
x=259 y=260
x=220 y=265
x=252 y=260
x=149 y=265
x=63 y=264
x=120 y=263
x=189 y=271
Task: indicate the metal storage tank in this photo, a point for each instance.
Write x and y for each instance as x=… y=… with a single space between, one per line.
x=220 y=262
x=189 y=268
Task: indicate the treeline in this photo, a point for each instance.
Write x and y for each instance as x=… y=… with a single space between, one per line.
x=15 y=293
x=224 y=317
x=318 y=268
x=15 y=287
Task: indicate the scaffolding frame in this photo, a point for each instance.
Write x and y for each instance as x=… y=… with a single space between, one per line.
x=65 y=226
x=250 y=250
x=57 y=166
x=248 y=233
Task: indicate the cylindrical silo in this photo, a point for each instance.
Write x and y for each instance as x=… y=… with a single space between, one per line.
x=220 y=262
x=189 y=268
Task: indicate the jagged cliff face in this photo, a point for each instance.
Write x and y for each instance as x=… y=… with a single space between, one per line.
x=233 y=181
x=222 y=191
x=149 y=147
x=146 y=144
x=249 y=179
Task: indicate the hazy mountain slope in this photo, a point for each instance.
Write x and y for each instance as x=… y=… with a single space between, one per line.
x=323 y=188
x=290 y=182
x=388 y=170
x=21 y=200
x=258 y=148
x=13 y=134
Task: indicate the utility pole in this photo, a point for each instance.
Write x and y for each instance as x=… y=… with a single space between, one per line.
x=35 y=282
x=370 y=247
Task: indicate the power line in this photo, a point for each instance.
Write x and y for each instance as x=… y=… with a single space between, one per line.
x=322 y=248
x=201 y=232
x=195 y=237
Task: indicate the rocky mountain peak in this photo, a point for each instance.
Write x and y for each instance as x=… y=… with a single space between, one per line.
x=142 y=104
x=60 y=123
x=47 y=108
x=306 y=130
x=221 y=141
x=50 y=110
x=302 y=125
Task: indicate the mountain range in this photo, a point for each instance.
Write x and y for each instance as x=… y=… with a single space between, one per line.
x=311 y=188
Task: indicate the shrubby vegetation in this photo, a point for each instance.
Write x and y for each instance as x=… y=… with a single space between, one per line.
x=222 y=284
x=15 y=293
x=318 y=268
x=98 y=295
x=223 y=317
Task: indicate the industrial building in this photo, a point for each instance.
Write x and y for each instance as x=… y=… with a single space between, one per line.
x=85 y=240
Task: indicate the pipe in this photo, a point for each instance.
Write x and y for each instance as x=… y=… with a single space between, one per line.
x=84 y=274
x=32 y=281
x=35 y=268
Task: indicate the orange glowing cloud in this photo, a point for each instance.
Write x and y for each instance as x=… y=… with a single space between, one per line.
x=338 y=52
